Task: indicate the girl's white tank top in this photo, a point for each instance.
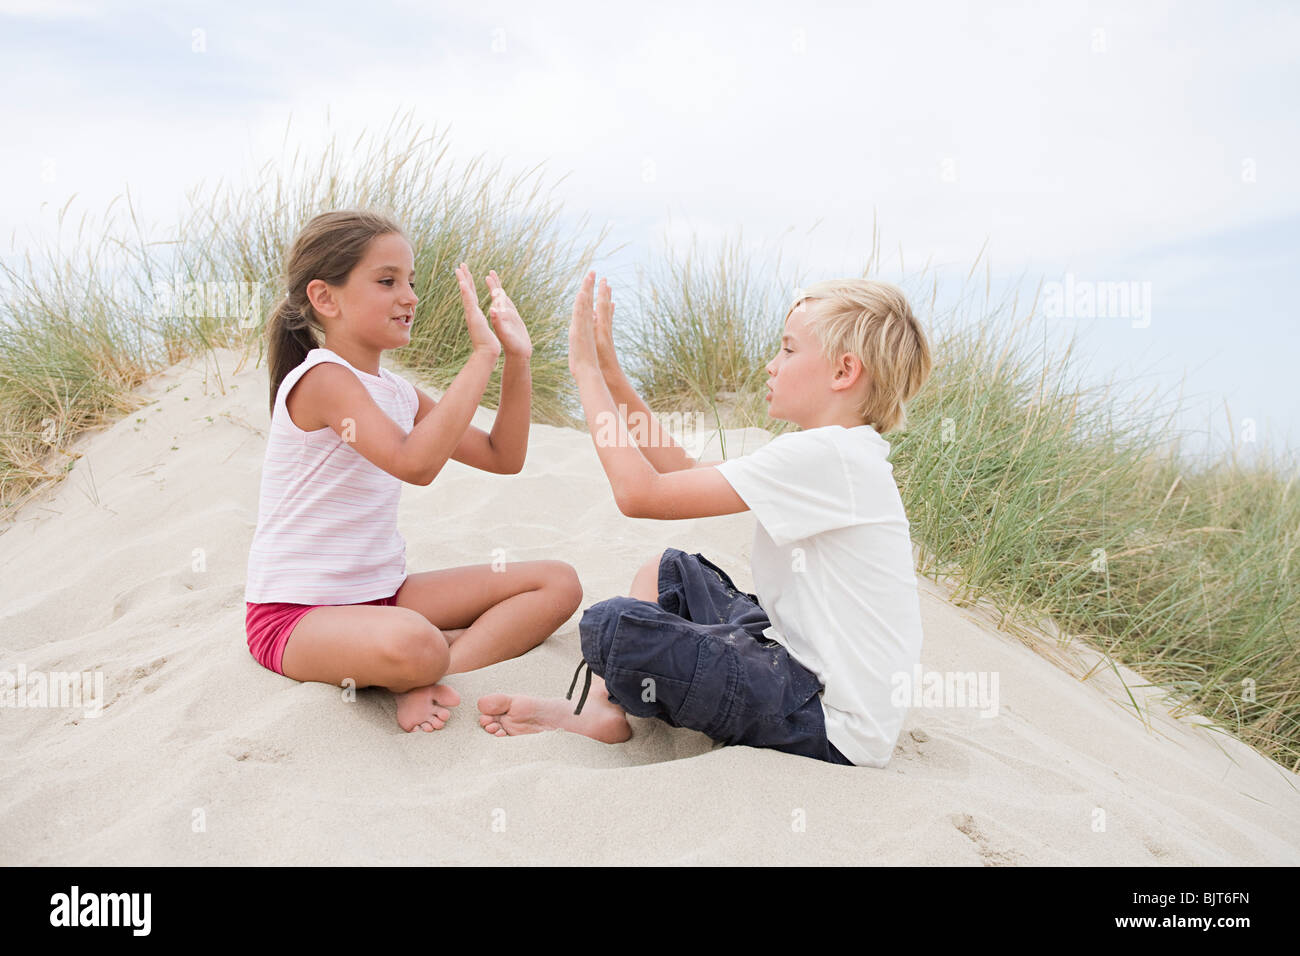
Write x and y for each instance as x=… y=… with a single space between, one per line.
x=327 y=517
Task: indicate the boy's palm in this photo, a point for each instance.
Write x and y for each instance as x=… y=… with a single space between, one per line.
x=582 y=342
x=604 y=328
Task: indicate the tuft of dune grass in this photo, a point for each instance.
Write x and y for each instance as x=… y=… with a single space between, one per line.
x=703 y=326
x=71 y=351
x=1065 y=501
x=472 y=212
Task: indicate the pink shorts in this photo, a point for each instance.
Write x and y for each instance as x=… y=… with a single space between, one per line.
x=269 y=626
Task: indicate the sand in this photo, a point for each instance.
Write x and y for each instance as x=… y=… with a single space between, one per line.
x=133 y=567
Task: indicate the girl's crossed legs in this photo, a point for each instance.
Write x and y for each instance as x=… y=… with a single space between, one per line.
x=444 y=622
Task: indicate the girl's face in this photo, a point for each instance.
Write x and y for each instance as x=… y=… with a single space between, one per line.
x=378 y=300
x=799 y=386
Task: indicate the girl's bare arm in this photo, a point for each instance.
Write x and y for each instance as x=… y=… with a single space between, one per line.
x=344 y=404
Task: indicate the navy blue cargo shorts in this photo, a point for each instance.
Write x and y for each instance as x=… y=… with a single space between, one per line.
x=698 y=658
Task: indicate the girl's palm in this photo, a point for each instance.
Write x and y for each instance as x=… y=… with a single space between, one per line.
x=480 y=334
x=506 y=320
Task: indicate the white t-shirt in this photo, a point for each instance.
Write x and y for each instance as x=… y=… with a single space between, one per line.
x=832 y=565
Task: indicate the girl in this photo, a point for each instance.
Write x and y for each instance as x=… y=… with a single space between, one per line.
x=328 y=595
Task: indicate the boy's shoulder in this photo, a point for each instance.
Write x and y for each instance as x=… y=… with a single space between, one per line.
x=828 y=439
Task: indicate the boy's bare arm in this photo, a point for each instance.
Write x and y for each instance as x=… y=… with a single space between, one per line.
x=639 y=489
x=647 y=431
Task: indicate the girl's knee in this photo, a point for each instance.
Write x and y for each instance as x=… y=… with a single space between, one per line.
x=562 y=578
x=417 y=651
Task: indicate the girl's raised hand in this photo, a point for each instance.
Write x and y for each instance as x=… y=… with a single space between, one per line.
x=480 y=334
x=505 y=319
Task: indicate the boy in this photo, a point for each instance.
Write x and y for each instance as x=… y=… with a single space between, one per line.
x=803 y=666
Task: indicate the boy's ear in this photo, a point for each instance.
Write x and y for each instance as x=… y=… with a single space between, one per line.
x=849 y=371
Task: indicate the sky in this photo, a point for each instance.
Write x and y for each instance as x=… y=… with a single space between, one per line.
x=1087 y=147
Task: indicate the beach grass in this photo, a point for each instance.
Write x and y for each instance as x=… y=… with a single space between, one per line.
x=88 y=316
x=1053 y=500
x=702 y=326
x=70 y=352
x=1076 y=503
x=451 y=212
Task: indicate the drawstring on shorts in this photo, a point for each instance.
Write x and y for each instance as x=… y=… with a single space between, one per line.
x=586 y=686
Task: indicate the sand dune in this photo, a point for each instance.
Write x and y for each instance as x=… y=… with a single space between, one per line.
x=201 y=756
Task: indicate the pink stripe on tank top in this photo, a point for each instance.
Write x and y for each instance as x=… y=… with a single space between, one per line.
x=327 y=517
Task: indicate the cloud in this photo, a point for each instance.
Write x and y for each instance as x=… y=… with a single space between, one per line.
x=49 y=10
x=953 y=124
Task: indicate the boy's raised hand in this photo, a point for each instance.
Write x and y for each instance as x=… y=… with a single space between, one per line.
x=604 y=330
x=582 y=338
x=480 y=335
x=509 y=326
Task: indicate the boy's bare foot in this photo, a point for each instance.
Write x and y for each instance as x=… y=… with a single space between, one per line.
x=504 y=715
x=425 y=708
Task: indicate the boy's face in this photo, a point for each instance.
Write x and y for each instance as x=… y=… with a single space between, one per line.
x=799 y=386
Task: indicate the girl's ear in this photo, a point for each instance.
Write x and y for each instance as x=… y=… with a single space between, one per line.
x=322 y=298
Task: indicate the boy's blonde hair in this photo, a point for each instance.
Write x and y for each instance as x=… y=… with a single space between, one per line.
x=872 y=320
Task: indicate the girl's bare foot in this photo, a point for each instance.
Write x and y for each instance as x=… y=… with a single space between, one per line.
x=425 y=708
x=504 y=715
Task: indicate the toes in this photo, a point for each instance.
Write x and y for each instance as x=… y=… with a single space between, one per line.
x=494 y=704
x=444 y=695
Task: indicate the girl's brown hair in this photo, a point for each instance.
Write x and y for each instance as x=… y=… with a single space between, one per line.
x=328 y=248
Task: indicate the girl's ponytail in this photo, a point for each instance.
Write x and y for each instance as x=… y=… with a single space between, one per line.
x=291 y=334
x=328 y=248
